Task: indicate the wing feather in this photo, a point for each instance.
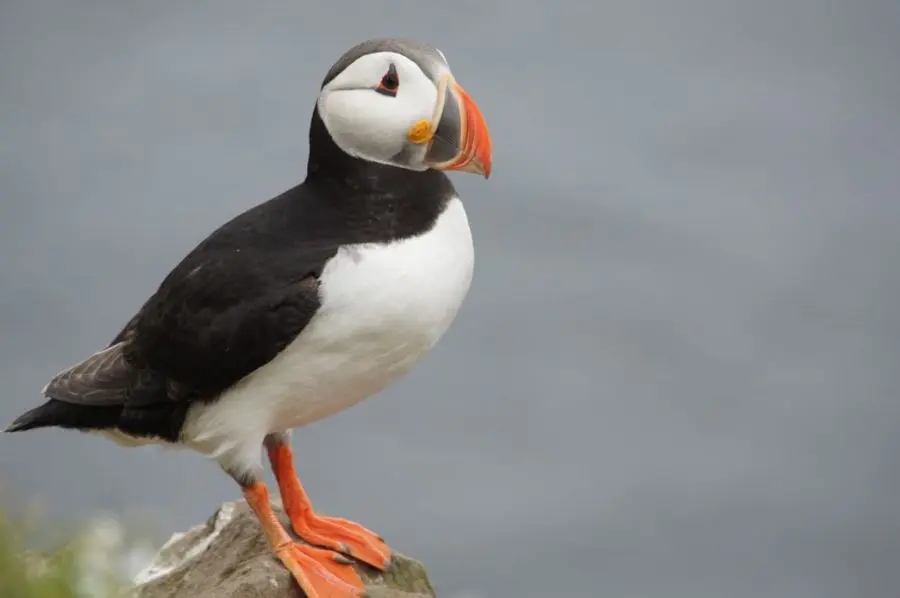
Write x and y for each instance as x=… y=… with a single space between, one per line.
x=106 y=378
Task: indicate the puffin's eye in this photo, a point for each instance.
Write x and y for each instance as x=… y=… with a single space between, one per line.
x=390 y=83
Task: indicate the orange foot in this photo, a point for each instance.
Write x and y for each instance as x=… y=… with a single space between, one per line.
x=320 y=573
x=343 y=536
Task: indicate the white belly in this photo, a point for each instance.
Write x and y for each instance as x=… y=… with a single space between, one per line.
x=383 y=307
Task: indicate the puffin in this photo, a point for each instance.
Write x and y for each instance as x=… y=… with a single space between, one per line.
x=305 y=304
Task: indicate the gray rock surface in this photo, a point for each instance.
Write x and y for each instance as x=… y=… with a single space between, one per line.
x=227 y=557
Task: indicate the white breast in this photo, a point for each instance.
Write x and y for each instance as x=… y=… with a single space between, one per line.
x=383 y=307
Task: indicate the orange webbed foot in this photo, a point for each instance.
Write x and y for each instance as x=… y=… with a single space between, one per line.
x=320 y=573
x=343 y=536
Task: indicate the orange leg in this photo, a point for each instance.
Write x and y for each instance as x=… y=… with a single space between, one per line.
x=337 y=534
x=320 y=573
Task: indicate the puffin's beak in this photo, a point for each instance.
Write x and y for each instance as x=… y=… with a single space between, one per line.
x=461 y=139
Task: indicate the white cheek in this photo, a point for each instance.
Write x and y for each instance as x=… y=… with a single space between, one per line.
x=366 y=124
x=359 y=124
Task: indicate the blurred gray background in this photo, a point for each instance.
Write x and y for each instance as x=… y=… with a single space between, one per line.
x=676 y=374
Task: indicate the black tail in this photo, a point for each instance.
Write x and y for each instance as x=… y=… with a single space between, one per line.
x=105 y=391
x=90 y=394
x=61 y=414
x=162 y=419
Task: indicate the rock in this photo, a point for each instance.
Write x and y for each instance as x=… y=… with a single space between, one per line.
x=227 y=557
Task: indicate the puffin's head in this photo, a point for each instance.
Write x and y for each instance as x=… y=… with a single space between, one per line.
x=396 y=102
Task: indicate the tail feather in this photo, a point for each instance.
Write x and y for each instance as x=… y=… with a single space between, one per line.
x=161 y=420
x=66 y=415
x=90 y=394
x=28 y=421
x=105 y=391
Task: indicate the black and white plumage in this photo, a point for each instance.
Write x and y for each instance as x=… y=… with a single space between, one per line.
x=314 y=300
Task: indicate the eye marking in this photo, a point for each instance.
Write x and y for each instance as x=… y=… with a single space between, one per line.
x=390 y=83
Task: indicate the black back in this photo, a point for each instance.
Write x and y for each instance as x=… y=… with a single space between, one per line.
x=241 y=296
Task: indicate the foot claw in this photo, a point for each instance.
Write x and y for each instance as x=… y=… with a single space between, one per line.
x=345 y=537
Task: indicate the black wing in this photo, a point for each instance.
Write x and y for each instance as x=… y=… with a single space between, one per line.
x=228 y=308
x=224 y=319
x=198 y=335
x=206 y=327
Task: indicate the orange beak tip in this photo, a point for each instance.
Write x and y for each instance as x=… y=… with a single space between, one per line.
x=478 y=138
